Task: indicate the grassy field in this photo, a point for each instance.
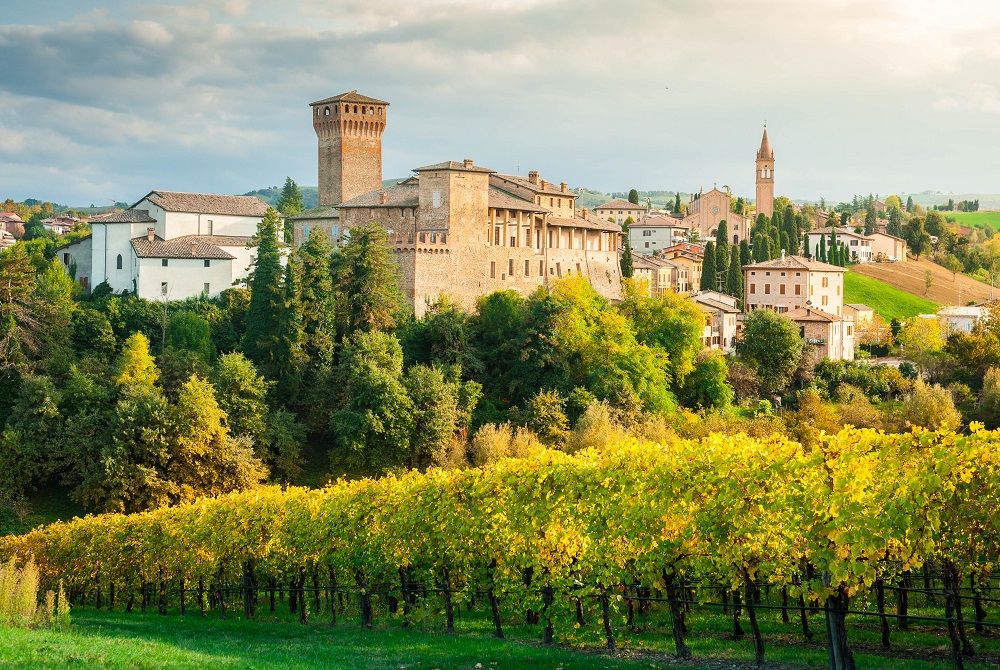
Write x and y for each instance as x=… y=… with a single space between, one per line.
x=975 y=219
x=890 y=302
x=118 y=640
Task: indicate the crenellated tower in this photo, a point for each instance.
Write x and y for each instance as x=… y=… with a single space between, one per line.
x=349 y=128
x=765 y=177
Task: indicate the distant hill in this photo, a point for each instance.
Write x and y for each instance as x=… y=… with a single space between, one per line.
x=911 y=277
x=931 y=198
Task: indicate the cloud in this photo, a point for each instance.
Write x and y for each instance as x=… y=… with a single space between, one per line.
x=656 y=94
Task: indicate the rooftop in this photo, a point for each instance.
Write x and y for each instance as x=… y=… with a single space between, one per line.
x=618 y=203
x=465 y=166
x=188 y=246
x=128 y=216
x=403 y=194
x=809 y=314
x=206 y=203
x=350 y=96
x=794 y=263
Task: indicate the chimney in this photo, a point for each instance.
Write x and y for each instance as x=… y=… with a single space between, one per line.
x=384 y=197
x=583 y=212
x=194 y=247
x=533 y=177
x=468 y=162
x=545 y=184
x=150 y=234
x=564 y=187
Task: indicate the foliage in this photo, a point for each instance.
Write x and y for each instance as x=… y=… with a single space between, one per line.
x=136 y=366
x=19 y=604
x=930 y=406
x=627 y=267
x=708 y=269
x=189 y=332
x=546 y=417
x=770 y=343
x=267 y=299
x=365 y=284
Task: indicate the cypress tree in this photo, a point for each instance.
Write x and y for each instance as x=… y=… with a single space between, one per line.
x=290 y=204
x=909 y=203
x=266 y=294
x=708 y=269
x=316 y=298
x=287 y=356
x=633 y=197
x=775 y=243
x=626 y=261
x=776 y=219
x=759 y=248
x=806 y=251
x=832 y=244
x=895 y=226
x=734 y=279
x=822 y=248
x=784 y=242
x=677 y=204
x=744 y=252
x=722 y=248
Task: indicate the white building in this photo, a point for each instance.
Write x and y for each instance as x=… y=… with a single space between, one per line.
x=169 y=245
x=858 y=246
x=960 y=318
x=656 y=233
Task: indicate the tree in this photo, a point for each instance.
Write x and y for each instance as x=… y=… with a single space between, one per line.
x=136 y=366
x=435 y=416
x=893 y=201
x=771 y=345
x=708 y=278
x=266 y=297
x=934 y=224
x=734 y=279
x=909 y=203
x=989 y=399
x=372 y=424
x=546 y=416
x=950 y=262
x=31 y=439
x=677 y=203
x=290 y=205
x=316 y=299
x=895 y=225
x=626 y=259
x=671 y=323
x=805 y=245
x=708 y=385
x=365 y=283
x=917 y=238
x=93 y=335
x=633 y=197
x=930 y=406
x=744 y=252
x=822 y=248
x=722 y=248
x=870 y=218
x=242 y=394
x=189 y=332
x=20 y=328
x=920 y=341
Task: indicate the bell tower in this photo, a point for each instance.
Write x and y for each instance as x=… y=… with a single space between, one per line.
x=765 y=177
x=349 y=128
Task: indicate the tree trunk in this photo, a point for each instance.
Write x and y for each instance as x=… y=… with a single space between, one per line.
x=977 y=602
x=606 y=614
x=784 y=604
x=953 y=610
x=753 y=599
x=201 y=595
x=902 y=605
x=303 y=603
x=333 y=598
x=841 y=657
x=366 y=600
x=737 y=628
x=680 y=647
x=548 y=597
x=111 y=596
x=248 y=608
x=449 y=612
x=883 y=620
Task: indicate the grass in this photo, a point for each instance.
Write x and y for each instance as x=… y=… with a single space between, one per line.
x=118 y=640
x=890 y=302
x=975 y=219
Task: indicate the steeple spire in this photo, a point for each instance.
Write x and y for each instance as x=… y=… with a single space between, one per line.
x=765 y=146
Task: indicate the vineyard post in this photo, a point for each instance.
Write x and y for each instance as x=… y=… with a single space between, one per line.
x=446 y=593
x=753 y=599
x=183 y=599
x=494 y=603
x=303 y=603
x=315 y=583
x=548 y=598
x=737 y=628
x=953 y=612
x=680 y=646
x=630 y=603
x=111 y=596
x=902 y=604
x=606 y=616
x=836 y=606
x=404 y=592
x=270 y=593
x=880 y=603
x=248 y=609
x=784 y=603
x=144 y=591
x=366 y=600
x=333 y=598
x=977 y=602
x=162 y=595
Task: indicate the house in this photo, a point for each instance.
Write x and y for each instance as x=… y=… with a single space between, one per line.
x=6 y=239
x=720 y=328
x=658 y=274
x=794 y=282
x=60 y=225
x=888 y=247
x=169 y=245
x=619 y=210
x=862 y=314
x=831 y=336
x=858 y=245
x=656 y=233
x=959 y=319
x=689 y=258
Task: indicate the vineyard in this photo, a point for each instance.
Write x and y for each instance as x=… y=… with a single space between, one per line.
x=587 y=546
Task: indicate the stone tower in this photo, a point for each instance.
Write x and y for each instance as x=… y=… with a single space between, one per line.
x=765 y=177
x=349 y=129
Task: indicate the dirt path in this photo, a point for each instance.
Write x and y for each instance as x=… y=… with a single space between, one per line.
x=911 y=277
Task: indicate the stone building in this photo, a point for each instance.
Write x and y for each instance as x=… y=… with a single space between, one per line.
x=657 y=274
x=793 y=282
x=830 y=336
x=456 y=228
x=619 y=210
x=722 y=311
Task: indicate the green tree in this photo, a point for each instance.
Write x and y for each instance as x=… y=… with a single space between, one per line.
x=626 y=257
x=93 y=335
x=242 y=394
x=671 y=323
x=722 y=248
x=546 y=416
x=633 y=197
x=734 y=279
x=365 y=283
x=316 y=299
x=708 y=276
x=870 y=218
x=31 y=441
x=435 y=416
x=931 y=406
x=136 y=366
x=771 y=345
x=374 y=419
x=677 y=203
x=822 y=248
x=909 y=203
x=708 y=385
x=918 y=240
x=189 y=332
x=745 y=257
x=290 y=205
x=267 y=298
x=895 y=225
x=20 y=328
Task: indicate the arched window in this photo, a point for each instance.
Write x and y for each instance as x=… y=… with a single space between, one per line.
x=363 y=109
x=326 y=111
x=119 y=262
x=355 y=109
x=736 y=239
x=346 y=109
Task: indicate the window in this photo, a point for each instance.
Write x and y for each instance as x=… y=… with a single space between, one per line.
x=163 y=288
x=781 y=289
x=513 y=241
x=798 y=289
x=118 y=263
x=647 y=245
x=753 y=288
x=436 y=197
x=208 y=263
x=510 y=267
x=541 y=268
x=826 y=282
x=551 y=203
x=335 y=231
x=206 y=289
x=493 y=269
x=850 y=330
x=496 y=236
x=559 y=269
x=527 y=268
x=164 y=262
x=838 y=290
x=578 y=268
x=767 y=289
x=211 y=227
x=826 y=300
x=305 y=231
x=66 y=259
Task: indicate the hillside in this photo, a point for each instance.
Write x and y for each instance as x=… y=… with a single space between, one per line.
x=910 y=276
x=887 y=300
x=975 y=219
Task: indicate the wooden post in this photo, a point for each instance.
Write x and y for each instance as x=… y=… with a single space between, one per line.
x=548 y=598
x=162 y=595
x=111 y=596
x=680 y=647
x=784 y=603
x=880 y=604
x=753 y=599
x=333 y=598
x=737 y=628
x=977 y=602
x=201 y=595
x=303 y=604
x=902 y=604
x=366 y=600
x=606 y=615
x=448 y=610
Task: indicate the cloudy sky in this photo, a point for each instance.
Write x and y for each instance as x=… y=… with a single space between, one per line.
x=107 y=100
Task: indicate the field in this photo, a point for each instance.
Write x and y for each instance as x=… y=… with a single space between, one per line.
x=118 y=640
x=946 y=288
x=888 y=301
x=975 y=219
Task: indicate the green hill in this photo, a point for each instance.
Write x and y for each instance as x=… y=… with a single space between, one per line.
x=890 y=302
x=975 y=219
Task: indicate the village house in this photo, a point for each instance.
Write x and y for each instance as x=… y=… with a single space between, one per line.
x=656 y=233
x=169 y=245
x=720 y=327
x=620 y=210
x=887 y=247
x=689 y=259
x=859 y=246
x=793 y=282
x=861 y=314
x=830 y=336
x=658 y=274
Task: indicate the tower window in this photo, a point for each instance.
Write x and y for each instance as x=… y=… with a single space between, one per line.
x=346 y=109
x=493 y=269
x=326 y=111
x=436 y=197
x=527 y=268
x=118 y=264
x=355 y=109
x=510 y=267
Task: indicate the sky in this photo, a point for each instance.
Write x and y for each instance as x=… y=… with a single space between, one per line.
x=105 y=101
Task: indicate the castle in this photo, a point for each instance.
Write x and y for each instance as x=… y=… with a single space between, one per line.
x=455 y=228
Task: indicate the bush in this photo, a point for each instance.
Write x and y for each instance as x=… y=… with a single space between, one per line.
x=596 y=428
x=19 y=599
x=930 y=406
x=493 y=443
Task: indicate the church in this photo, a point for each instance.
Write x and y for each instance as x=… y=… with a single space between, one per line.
x=706 y=210
x=455 y=228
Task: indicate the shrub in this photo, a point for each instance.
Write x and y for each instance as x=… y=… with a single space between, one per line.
x=493 y=442
x=596 y=428
x=930 y=406
x=19 y=598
